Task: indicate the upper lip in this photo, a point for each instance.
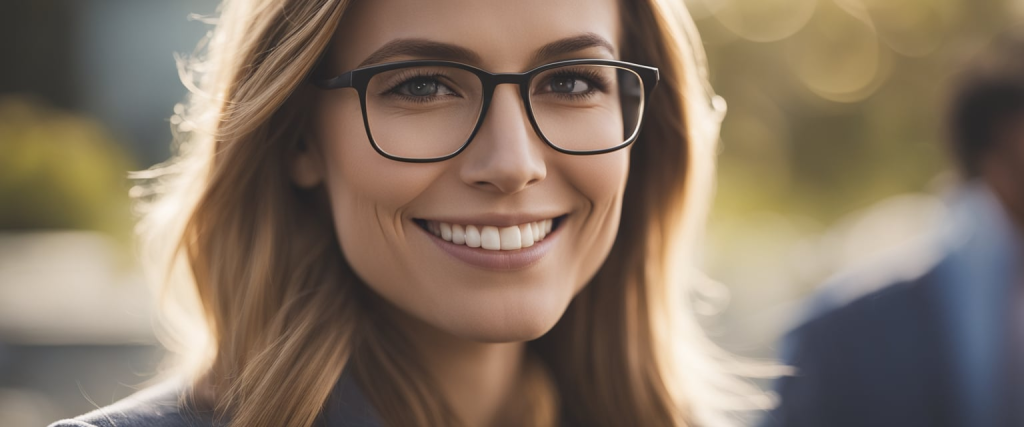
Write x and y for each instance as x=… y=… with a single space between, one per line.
x=495 y=219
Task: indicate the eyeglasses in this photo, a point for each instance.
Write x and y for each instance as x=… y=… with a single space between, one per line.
x=429 y=111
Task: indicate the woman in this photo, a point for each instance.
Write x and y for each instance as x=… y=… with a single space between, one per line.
x=467 y=229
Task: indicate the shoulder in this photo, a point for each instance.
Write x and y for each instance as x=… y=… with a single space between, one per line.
x=894 y=298
x=156 y=406
x=885 y=276
x=885 y=333
x=896 y=318
x=853 y=360
x=890 y=310
x=900 y=287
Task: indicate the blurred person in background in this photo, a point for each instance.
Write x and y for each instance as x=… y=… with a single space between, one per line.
x=407 y=239
x=944 y=347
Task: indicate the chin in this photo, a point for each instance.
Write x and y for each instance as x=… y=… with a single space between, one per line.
x=505 y=322
x=505 y=333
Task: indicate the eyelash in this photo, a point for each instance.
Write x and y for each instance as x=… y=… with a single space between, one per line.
x=596 y=81
x=405 y=77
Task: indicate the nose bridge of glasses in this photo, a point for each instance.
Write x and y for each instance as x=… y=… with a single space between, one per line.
x=493 y=81
x=504 y=155
x=505 y=111
x=506 y=78
x=496 y=104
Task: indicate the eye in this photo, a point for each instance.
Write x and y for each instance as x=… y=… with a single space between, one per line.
x=569 y=85
x=573 y=83
x=423 y=87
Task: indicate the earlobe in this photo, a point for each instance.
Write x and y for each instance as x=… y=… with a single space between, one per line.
x=305 y=165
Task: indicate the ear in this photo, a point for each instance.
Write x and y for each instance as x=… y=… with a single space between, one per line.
x=305 y=163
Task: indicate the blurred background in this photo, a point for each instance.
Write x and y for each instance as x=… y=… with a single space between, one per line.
x=832 y=156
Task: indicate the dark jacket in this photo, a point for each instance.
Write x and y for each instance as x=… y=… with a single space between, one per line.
x=879 y=361
x=933 y=349
x=158 y=406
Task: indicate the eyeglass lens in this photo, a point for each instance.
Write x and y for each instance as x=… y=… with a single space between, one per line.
x=428 y=112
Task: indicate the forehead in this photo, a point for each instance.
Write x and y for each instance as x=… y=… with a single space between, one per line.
x=504 y=34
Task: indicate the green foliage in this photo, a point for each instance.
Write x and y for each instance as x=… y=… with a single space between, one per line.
x=59 y=170
x=835 y=104
x=834 y=107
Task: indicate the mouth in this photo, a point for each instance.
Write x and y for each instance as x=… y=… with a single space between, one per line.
x=492 y=237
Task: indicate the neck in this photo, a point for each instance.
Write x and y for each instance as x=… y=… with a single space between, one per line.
x=479 y=380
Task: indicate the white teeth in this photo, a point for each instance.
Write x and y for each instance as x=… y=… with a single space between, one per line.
x=458 y=234
x=472 y=236
x=446 y=231
x=510 y=238
x=490 y=237
x=526 y=233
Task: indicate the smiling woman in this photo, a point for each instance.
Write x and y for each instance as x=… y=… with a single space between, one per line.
x=409 y=213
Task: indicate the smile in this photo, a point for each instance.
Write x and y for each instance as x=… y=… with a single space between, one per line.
x=490 y=237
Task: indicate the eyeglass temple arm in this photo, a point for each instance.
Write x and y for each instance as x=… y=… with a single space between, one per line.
x=654 y=75
x=342 y=81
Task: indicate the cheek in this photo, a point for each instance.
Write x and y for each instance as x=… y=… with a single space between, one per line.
x=363 y=185
x=601 y=180
x=368 y=193
x=355 y=171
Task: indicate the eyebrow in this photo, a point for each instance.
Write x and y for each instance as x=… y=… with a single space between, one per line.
x=572 y=44
x=449 y=52
x=421 y=48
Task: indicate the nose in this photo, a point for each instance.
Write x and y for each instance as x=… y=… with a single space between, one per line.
x=506 y=155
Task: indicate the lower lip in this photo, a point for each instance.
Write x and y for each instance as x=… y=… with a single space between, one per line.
x=498 y=260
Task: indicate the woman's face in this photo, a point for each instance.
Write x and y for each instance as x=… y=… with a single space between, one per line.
x=387 y=212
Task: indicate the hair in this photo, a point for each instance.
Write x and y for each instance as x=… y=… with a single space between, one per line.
x=261 y=305
x=988 y=92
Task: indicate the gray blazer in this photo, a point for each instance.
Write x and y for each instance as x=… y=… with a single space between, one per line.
x=158 y=406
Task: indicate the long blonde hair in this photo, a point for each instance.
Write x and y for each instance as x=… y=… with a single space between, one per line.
x=266 y=313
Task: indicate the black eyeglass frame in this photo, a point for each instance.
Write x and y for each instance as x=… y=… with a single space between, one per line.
x=359 y=79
